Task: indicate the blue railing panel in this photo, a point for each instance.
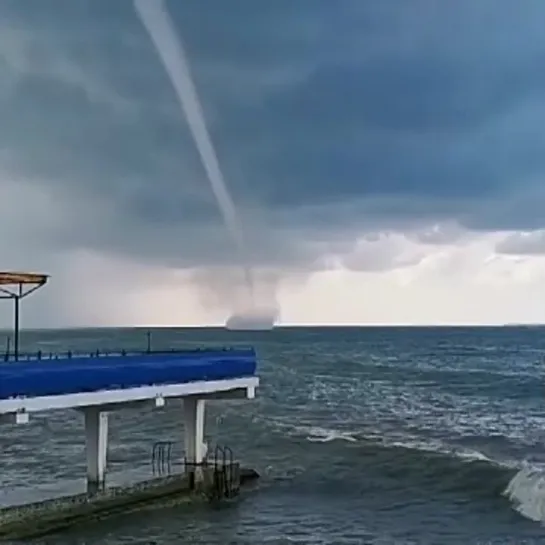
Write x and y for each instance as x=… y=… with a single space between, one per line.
x=76 y=374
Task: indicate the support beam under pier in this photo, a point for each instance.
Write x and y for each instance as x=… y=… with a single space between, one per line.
x=96 y=445
x=195 y=448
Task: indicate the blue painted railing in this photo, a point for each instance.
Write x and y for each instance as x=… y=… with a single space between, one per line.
x=57 y=375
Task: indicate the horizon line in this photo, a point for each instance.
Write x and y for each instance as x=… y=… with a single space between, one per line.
x=281 y=326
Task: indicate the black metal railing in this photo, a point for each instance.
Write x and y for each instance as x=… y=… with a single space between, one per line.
x=221 y=473
x=161 y=458
x=17 y=355
x=71 y=354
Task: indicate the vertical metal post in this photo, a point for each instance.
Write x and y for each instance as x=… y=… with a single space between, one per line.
x=16 y=301
x=148 y=335
x=8 y=349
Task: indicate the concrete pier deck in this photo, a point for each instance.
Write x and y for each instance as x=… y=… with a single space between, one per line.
x=54 y=515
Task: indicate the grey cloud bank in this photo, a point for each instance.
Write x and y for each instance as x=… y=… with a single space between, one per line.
x=331 y=119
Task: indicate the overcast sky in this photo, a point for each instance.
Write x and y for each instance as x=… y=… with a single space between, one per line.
x=387 y=160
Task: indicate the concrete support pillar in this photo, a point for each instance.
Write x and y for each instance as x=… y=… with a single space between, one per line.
x=195 y=448
x=96 y=445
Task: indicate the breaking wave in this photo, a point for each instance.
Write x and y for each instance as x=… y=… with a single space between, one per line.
x=526 y=490
x=439 y=468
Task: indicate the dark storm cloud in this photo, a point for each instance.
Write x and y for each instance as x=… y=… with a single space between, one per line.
x=330 y=118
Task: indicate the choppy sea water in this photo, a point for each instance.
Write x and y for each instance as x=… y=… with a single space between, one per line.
x=362 y=435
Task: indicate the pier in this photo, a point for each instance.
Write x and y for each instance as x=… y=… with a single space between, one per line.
x=98 y=383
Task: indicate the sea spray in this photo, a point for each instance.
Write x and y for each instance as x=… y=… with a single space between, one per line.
x=169 y=46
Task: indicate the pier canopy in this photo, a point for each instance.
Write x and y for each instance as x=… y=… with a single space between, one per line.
x=16 y=285
x=22 y=279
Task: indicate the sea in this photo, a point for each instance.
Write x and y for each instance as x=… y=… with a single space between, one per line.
x=384 y=436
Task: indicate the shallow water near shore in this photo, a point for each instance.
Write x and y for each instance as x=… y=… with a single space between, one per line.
x=361 y=435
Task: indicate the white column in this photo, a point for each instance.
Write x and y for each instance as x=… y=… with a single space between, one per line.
x=195 y=449
x=96 y=444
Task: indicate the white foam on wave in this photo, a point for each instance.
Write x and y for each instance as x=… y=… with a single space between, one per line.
x=323 y=434
x=439 y=447
x=527 y=492
x=317 y=434
x=311 y=432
